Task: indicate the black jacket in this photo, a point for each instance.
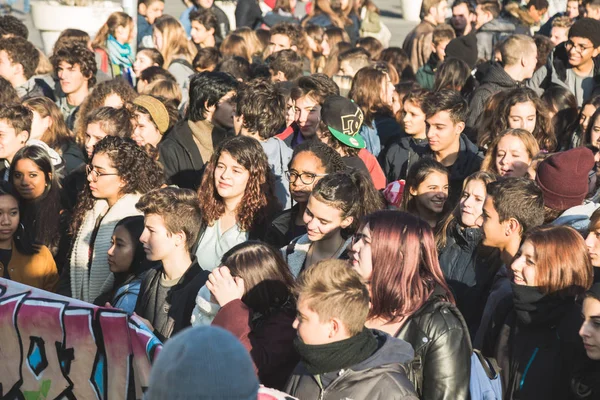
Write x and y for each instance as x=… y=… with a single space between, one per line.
x=399 y=155
x=442 y=347
x=181 y=298
x=248 y=13
x=282 y=231
x=181 y=158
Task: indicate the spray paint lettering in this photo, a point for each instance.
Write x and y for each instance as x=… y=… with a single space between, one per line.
x=53 y=347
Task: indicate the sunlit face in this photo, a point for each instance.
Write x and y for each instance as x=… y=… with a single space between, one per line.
x=11 y=141
x=493 y=229
x=559 y=35
x=310 y=167
x=157 y=37
x=109 y=184
x=325 y=48
x=310 y=329
x=440 y=49
x=387 y=91
x=443 y=133
x=440 y=12
x=397 y=103
x=142 y=61
x=512 y=158
x=121 y=251
x=154 y=11
x=308 y=116
x=280 y=42
x=290 y=114
x=29 y=179
x=582 y=51
x=9 y=217
x=414 y=120
x=123 y=34
x=523 y=116
x=523 y=266
x=323 y=220
x=206 y=3
x=536 y=15
x=590 y=329
x=360 y=254
x=199 y=33
x=592 y=241
x=483 y=17
x=158 y=242
x=432 y=193
x=39 y=125
x=231 y=177
x=71 y=78
x=572 y=9
x=471 y=203
x=595 y=133
x=145 y=132
x=586 y=114
x=93 y=134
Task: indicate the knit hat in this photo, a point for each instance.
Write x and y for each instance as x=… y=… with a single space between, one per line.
x=343 y=119
x=463 y=48
x=158 y=111
x=587 y=28
x=563 y=178
x=203 y=362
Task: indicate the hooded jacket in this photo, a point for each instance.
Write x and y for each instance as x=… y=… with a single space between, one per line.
x=490 y=34
x=279 y=156
x=381 y=376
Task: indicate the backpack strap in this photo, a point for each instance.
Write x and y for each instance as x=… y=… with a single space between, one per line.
x=183 y=62
x=490 y=365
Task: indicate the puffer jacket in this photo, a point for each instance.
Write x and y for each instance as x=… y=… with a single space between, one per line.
x=399 y=155
x=440 y=339
x=490 y=34
x=381 y=376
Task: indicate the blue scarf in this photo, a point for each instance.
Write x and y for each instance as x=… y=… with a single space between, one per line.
x=119 y=54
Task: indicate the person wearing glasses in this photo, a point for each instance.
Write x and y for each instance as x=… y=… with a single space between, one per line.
x=311 y=161
x=120 y=172
x=574 y=64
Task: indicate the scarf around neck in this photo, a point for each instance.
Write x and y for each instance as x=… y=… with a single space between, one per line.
x=536 y=308
x=323 y=358
x=120 y=54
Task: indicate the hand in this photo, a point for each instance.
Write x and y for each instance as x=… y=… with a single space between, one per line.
x=224 y=287
x=145 y=322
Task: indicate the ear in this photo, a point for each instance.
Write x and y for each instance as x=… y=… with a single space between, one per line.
x=512 y=226
x=19 y=69
x=23 y=137
x=335 y=326
x=412 y=191
x=294 y=47
x=212 y=31
x=433 y=47
x=347 y=222
x=209 y=109
x=596 y=51
x=180 y=238
x=459 y=127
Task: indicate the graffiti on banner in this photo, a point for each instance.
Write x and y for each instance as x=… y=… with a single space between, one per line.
x=54 y=347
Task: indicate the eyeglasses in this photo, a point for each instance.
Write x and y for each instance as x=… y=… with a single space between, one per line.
x=579 y=48
x=306 y=177
x=95 y=174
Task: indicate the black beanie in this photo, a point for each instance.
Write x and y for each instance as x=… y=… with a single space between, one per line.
x=587 y=28
x=464 y=48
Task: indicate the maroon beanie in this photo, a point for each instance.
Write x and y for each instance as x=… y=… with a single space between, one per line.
x=563 y=178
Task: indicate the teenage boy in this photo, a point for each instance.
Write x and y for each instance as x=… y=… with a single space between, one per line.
x=260 y=113
x=574 y=64
x=417 y=43
x=172 y=220
x=442 y=35
x=560 y=30
x=148 y=12
x=352 y=60
x=75 y=66
x=491 y=28
x=339 y=356
x=15 y=125
x=463 y=17
x=18 y=62
x=592 y=9
x=284 y=66
x=206 y=5
x=286 y=36
x=191 y=143
x=512 y=207
x=205 y=28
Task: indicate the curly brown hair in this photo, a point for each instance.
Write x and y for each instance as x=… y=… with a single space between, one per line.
x=140 y=172
x=259 y=203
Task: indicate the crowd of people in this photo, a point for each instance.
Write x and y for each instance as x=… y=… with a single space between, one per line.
x=353 y=219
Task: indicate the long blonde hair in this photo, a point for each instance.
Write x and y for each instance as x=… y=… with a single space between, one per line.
x=115 y=20
x=175 y=43
x=531 y=145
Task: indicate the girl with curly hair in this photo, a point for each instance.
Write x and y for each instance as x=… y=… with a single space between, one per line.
x=119 y=174
x=237 y=198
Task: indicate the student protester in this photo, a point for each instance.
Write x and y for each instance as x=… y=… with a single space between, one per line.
x=284 y=66
x=574 y=64
x=205 y=28
x=172 y=220
x=587 y=379
x=341 y=121
x=442 y=35
x=153 y=118
x=339 y=356
x=491 y=28
x=260 y=114
x=112 y=44
x=310 y=161
x=339 y=15
x=120 y=172
x=331 y=217
x=128 y=264
x=21 y=260
x=253 y=288
x=519 y=58
x=237 y=199
x=535 y=340
x=426 y=191
x=15 y=125
x=560 y=30
x=48 y=125
x=563 y=110
x=512 y=207
x=222 y=18
x=36 y=183
x=394 y=252
x=207 y=59
x=192 y=141
x=18 y=62
x=592 y=241
x=463 y=17
x=417 y=43
x=75 y=67
x=511 y=154
x=148 y=12
x=146 y=58
x=401 y=152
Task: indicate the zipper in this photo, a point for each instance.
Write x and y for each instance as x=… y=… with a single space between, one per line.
x=527 y=367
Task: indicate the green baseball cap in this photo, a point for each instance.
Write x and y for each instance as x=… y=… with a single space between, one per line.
x=343 y=119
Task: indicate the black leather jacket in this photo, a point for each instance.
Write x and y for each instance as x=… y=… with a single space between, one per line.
x=441 y=342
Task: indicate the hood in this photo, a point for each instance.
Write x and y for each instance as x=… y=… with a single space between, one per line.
x=54 y=156
x=498 y=25
x=577 y=217
x=515 y=10
x=278 y=154
x=390 y=351
x=496 y=75
x=467 y=237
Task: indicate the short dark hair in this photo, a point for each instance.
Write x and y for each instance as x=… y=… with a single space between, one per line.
x=292 y=31
x=206 y=18
x=491 y=6
x=20 y=51
x=18 y=116
x=179 y=208
x=206 y=59
x=317 y=86
x=206 y=89
x=538 y=4
x=153 y=54
x=286 y=61
x=77 y=54
x=238 y=67
x=468 y=3
x=518 y=198
x=263 y=108
x=155 y=73
x=446 y=100
x=12 y=26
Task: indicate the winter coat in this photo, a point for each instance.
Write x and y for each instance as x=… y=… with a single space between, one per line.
x=279 y=156
x=495 y=80
x=375 y=171
x=295 y=253
x=372 y=142
x=490 y=34
x=275 y=17
x=381 y=376
x=37 y=270
x=35 y=87
x=426 y=74
x=181 y=298
x=248 y=13
x=269 y=340
x=577 y=217
x=388 y=129
x=417 y=44
x=181 y=158
x=399 y=155
x=282 y=231
x=442 y=347
x=126 y=296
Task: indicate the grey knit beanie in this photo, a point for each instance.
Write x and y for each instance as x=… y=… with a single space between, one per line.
x=203 y=363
